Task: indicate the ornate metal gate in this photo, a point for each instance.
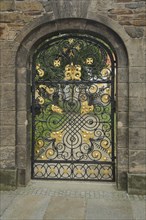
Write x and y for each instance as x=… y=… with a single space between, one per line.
x=73 y=109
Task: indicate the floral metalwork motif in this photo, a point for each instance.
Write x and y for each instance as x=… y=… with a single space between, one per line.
x=72 y=72
x=73 y=109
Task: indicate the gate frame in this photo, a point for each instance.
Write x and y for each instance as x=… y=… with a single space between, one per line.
x=104 y=44
x=28 y=41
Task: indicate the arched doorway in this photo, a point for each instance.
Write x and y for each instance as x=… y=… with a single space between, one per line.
x=29 y=41
x=73 y=108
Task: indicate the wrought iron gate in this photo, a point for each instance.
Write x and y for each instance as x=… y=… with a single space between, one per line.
x=73 y=109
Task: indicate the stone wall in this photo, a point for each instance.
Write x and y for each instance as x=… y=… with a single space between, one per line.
x=23 y=21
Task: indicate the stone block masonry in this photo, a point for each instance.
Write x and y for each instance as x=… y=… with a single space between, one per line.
x=23 y=24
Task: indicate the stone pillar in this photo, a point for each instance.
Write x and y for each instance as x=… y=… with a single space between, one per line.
x=122 y=127
x=8 y=170
x=137 y=129
x=23 y=144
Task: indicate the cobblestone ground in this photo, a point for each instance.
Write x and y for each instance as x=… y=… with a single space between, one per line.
x=62 y=200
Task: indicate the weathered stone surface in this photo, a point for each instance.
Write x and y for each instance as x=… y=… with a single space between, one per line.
x=121 y=11
x=122 y=75
x=122 y=104
x=135 y=32
x=23 y=75
x=22 y=58
x=28 y=5
x=35 y=206
x=8 y=97
x=137 y=104
x=8 y=135
x=138 y=22
x=137 y=138
x=47 y=6
x=137 y=162
x=9 y=46
x=7 y=157
x=22 y=176
x=122 y=138
x=122 y=179
x=8 y=179
x=15 y=17
x=125 y=19
x=22 y=118
x=122 y=119
x=113 y=16
x=136 y=183
x=21 y=134
x=122 y=1
x=65 y=208
x=23 y=97
x=122 y=89
x=137 y=74
x=140 y=16
x=101 y=5
x=8 y=118
x=7 y=5
x=125 y=22
x=8 y=57
x=8 y=31
x=137 y=90
x=135 y=5
x=67 y=9
x=21 y=156
x=137 y=119
x=7 y=74
x=4 y=32
x=69 y=23
x=122 y=158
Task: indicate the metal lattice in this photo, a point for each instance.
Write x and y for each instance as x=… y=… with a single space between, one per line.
x=73 y=109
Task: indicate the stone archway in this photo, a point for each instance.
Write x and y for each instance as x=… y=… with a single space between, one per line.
x=28 y=43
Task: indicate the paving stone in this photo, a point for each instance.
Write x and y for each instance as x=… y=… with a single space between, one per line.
x=140 y=206
x=52 y=200
x=65 y=208
x=110 y=210
x=5 y=201
x=27 y=207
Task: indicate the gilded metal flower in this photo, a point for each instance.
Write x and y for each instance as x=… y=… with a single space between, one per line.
x=85 y=108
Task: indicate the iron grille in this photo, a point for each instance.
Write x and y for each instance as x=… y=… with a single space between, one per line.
x=73 y=109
